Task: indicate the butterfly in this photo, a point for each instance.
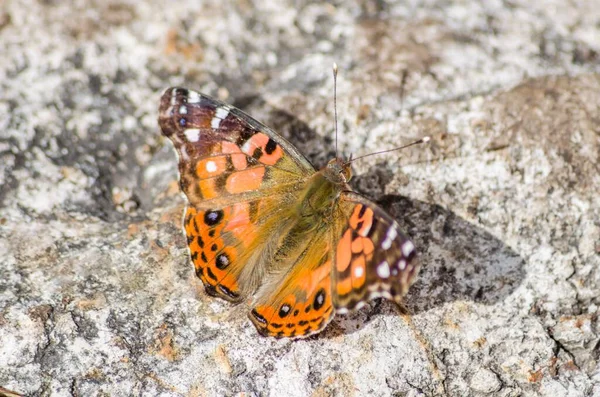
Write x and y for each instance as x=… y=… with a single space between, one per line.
x=264 y=226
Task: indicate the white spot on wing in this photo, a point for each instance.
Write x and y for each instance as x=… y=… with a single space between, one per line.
x=401 y=264
x=182 y=109
x=192 y=134
x=220 y=114
x=193 y=97
x=246 y=146
x=211 y=166
x=407 y=248
x=389 y=238
x=383 y=269
x=359 y=271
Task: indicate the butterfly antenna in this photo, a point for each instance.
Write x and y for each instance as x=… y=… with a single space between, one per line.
x=425 y=139
x=335 y=69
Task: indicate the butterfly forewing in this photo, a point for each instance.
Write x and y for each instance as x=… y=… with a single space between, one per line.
x=225 y=155
x=373 y=258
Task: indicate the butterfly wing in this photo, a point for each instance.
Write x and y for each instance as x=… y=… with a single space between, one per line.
x=372 y=256
x=298 y=302
x=235 y=173
x=225 y=156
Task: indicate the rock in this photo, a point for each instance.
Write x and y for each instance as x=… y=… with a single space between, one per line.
x=97 y=294
x=485 y=381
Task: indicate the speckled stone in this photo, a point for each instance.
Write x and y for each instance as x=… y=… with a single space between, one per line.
x=97 y=295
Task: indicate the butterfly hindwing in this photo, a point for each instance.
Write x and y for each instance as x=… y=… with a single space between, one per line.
x=373 y=258
x=214 y=241
x=298 y=302
x=225 y=155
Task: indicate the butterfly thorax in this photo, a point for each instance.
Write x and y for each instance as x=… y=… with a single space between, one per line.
x=323 y=189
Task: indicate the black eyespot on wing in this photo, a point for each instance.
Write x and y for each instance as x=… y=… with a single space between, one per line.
x=319 y=300
x=212 y=218
x=222 y=261
x=284 y=310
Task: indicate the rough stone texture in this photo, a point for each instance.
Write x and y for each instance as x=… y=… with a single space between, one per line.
x=97 y=296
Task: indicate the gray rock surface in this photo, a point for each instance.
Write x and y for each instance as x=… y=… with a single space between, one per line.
x=97 y=295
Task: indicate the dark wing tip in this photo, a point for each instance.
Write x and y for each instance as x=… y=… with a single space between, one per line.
x=170 y=100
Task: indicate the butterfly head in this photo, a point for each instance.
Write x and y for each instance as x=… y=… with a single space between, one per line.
x=338 y=171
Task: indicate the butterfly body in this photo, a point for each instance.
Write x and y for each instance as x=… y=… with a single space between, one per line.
x=263 y=225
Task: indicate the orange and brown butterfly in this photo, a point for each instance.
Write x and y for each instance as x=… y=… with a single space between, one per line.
x=263 y=225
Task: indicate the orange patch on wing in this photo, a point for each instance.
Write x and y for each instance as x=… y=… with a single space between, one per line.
x=244 y=181
x=344 y=286
x=260 y=141
x=211 y=167
x=343 y=252
x=273 y=158
x=238 y=159
x=367 y=223
x=311 y=278
x=229 y=282
x=361 y=223
x=357 y=245
x=240 y=216
x=265 y=311
x=359 y=272
x=208 y=188
x=303 y=305
x=240 y=225
x=368 y=246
